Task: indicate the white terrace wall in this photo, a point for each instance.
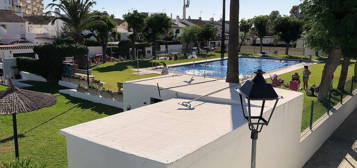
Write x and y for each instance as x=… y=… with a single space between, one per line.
x=312 y=140
x=300 y=147
x=271 y=50
x=94 y=50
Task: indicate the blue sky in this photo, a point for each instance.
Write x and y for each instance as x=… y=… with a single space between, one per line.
x=204 y=8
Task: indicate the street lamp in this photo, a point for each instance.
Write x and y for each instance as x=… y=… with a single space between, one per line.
x=257 y=90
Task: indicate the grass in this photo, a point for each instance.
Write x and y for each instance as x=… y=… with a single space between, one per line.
x=113 y=72
x=2 y=87
x=39 y=130
x=320 y=108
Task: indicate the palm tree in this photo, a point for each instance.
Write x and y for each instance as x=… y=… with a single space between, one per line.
x=75 y=14
x=233 y=64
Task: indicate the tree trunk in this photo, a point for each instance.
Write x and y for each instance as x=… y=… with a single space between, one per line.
x=261 y=45
x=233 y=64
x=344 y=73
x=333 y=60
x=355 y=76
x=242 y=42
x=287 y=49
x=154 y=49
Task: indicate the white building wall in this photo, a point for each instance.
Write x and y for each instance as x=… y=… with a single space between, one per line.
x=5 y=5
x=13 y=31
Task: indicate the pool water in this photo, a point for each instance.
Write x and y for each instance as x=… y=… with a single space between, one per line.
x=218 y=69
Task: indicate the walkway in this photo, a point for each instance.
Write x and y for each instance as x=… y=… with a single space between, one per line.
x=340 y=150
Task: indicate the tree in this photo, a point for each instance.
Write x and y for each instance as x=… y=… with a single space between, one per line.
x=190 y=37
x=289 y=30
x=245 y=27
x=233 y=61
x=136 y=23
x=348 y=54
x=261 y=27
x=207 y=32
x=273 y=17
x=75 y=14
x=296 y=12
x=332 y=26
x=50 y=62
x=103 y=29
x=156 y=25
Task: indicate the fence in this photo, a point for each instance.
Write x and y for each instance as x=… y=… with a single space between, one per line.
x=272 y=50
x=317 y=108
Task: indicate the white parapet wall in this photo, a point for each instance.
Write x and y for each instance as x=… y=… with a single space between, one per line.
x=92 y=98
x=167 y=135
x=31 y=77
x=312 y=140
x=212 y=135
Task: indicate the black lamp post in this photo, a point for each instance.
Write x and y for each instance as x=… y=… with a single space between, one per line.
x=257 y=90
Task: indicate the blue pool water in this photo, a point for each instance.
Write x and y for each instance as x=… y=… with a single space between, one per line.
x=218 y=69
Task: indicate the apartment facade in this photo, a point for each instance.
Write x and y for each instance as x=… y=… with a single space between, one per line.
x=31 y=7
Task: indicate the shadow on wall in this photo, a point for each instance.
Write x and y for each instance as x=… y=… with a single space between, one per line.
x=339 y=149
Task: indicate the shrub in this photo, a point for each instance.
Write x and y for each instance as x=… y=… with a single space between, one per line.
x=50 y=62
x=123 y=48
x=24 y=163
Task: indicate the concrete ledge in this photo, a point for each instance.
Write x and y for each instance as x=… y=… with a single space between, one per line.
x=311 y=140
x=92 y=98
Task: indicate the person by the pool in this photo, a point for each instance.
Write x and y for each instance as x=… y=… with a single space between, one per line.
x=305 y=77
x=165 y=69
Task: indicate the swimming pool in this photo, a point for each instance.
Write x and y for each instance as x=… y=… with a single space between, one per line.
x=218 y=69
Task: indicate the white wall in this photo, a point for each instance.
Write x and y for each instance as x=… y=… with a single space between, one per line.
x=311 y=141
x=92 y=98
x=14 y=31
x=94 y=50
x=97 y=156
x=232 y=150
x=5 y=5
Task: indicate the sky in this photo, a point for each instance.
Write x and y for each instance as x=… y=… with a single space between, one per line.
x=204 y=8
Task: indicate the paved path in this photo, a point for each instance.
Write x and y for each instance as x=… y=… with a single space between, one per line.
x=340 y=150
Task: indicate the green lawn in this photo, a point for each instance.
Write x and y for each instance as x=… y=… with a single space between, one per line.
x=39 y=130
x=320 y=108
x=2 y=87
x=113 y=72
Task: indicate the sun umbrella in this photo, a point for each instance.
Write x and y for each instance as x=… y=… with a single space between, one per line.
x=15 y=100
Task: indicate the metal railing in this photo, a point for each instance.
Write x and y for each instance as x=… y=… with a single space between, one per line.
x=329 y=102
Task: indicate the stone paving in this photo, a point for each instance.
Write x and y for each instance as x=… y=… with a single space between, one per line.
x=340 y=150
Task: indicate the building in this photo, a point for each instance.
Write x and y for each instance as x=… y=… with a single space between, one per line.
x=31 y=7
x=12 y=27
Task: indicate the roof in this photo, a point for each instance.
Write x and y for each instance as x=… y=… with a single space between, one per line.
x=10 y=16
x=118 y=21
x=163 y=132
x=199 y=22
x=38 y=19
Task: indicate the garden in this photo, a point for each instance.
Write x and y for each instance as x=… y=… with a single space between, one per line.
x=39 y=131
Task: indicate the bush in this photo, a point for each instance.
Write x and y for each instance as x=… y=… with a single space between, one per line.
x=92 y=43
x=50 y=62
x=123 y=48
x=25 y=163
